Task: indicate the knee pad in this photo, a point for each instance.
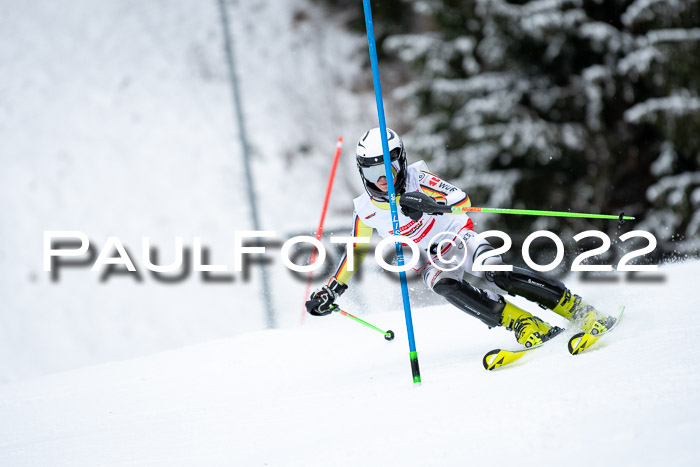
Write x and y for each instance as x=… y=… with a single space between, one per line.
x=530 y=285
x=471 y=300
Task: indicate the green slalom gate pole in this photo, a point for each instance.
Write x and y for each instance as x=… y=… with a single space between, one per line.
x=388 y=335
x=531 y=212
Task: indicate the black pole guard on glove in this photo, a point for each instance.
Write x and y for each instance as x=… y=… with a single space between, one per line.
x=417 y=203
x=321 y=301
x=312 y=307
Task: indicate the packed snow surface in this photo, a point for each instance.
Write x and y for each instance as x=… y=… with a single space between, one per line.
x=333 y=392
x=116 y=119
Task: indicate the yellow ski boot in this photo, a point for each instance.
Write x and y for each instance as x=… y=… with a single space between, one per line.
x=590 y=320
x=529 y=330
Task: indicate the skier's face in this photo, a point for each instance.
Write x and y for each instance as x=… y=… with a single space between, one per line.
x=381 y=184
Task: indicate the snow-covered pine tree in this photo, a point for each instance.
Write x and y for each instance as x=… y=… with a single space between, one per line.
x=584 y=105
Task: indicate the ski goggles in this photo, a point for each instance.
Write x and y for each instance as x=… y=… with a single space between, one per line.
x=374 y=172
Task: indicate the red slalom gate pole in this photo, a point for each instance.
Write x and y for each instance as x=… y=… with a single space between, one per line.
x=319 y=231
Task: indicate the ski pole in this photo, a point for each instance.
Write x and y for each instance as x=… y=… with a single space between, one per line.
x=319 y=231
x=388 y=335
x=529 y=212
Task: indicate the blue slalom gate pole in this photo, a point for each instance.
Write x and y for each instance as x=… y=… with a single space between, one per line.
x=392 y=195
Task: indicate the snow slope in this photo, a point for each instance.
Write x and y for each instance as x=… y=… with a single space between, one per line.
x=335 y=393
x=116 y=120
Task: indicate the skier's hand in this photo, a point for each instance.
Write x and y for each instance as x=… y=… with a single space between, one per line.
x=321 y=301
x=417 y=203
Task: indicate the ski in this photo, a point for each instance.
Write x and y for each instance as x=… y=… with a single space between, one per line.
x=583 y=341
x=499 y=357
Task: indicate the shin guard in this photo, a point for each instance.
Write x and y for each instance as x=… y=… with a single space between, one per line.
x=531 y=285
x=471 y=300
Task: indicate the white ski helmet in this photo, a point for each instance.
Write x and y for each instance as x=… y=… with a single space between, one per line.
x=370 y=162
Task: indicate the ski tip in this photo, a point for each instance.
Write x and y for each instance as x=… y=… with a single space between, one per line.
x=582 y=341
x=574 y=344
x=490 y=360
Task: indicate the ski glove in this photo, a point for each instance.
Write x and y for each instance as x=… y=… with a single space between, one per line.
x=321 y=301
x=417 y=203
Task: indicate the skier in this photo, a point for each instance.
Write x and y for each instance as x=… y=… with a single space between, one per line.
x=443 y=241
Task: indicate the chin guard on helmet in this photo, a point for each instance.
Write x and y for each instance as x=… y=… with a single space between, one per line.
x=370 y=162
